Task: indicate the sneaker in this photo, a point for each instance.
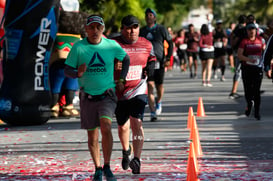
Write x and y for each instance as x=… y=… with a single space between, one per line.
x=126 y=158
x=69 y=111
x=195 y=76
x=234 y=96
x=76 y=100
x=249 y=108
x=158 y=108
x=98 y=174
x=215 y=76
x=108 y=173
x=204 y=83
x=55 y=111
x=135 y=165
x=257 y=116
x=222 y=79
x=153 y=117
x=247 y=111
x=209 y=84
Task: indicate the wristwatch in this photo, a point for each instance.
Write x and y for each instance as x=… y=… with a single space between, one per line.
x=121 y=80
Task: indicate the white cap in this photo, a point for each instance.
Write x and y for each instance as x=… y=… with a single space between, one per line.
x=70 y=5
x=219 y=21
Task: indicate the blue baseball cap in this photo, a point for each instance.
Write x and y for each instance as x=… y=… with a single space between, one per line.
x=94 y=19
x=251 y=26
x=149 y=10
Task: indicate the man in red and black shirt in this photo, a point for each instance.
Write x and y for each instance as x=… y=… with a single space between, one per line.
x=133 y=97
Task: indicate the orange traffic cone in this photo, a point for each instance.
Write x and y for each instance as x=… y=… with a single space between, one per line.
x=190 y=114
x=1 y=122
x=193 y=126
x=200 y=108
x=192 y=166
x=194 y=136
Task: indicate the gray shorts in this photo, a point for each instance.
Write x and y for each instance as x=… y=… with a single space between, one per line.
x=92 y=111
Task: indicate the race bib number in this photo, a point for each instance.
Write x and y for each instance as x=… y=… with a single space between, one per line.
x=254 y=57
x=218 y=44
x=157 y=65
x=134 y=72
x=183 y=46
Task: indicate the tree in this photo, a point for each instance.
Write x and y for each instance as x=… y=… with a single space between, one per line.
x=114 y=10
x=261 y=9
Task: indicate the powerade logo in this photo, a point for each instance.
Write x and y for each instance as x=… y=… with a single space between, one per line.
x=47 y=30
x=96 y=65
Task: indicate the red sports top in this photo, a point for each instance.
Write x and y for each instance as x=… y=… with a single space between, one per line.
x=140 y=54
x=253 y=49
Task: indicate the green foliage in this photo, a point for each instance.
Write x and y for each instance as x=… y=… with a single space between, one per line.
x=174 y=18
x=261 y=9
x=171 y=12
x=114 y=10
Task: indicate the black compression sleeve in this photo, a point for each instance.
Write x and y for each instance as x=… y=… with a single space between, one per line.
x=150 y=68
x=125 y=67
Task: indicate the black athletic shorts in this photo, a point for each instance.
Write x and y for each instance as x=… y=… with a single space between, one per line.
x=218 y=52
x=134 y=107
x=229 y=51
x=206 y=55
x=194 y=55
x=158 y=76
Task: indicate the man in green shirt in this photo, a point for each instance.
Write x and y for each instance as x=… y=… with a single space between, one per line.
x=91 y=60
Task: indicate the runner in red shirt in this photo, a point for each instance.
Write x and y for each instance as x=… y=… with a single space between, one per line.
x=206 y=54
x=192 y=40
x=250 y=53
x=133 y=99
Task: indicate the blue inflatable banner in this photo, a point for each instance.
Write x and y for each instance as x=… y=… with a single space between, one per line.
x=30 y=30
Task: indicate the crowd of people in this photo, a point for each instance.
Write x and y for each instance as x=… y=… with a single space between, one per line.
x=241 y=46
x=140 y=59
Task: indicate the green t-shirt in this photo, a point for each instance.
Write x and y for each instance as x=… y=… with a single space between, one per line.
x=99 y=60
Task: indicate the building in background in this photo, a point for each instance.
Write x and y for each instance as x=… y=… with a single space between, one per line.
x=197 y=17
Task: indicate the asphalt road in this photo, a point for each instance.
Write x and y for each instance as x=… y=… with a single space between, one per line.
x=235 y=147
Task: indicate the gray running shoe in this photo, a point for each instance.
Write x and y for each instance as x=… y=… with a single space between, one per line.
x=234 y=96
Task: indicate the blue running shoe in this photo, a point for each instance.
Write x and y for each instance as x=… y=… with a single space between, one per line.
x=158 y=108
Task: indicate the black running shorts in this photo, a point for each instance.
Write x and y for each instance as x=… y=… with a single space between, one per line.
x=134 y=107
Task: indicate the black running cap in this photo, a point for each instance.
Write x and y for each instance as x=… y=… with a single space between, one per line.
x=129 y=20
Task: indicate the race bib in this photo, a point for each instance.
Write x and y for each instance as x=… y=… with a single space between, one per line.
x=157 y=65
x=218 y=44
x=254 y=57
x=134 y=72
x=183 y=46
